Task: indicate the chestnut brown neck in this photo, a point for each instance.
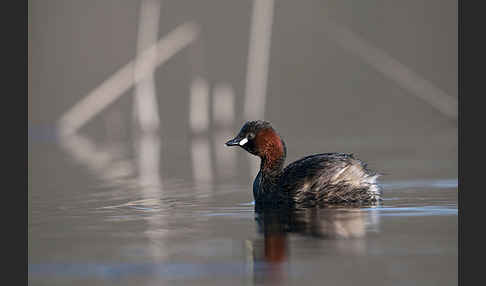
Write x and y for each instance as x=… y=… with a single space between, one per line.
x=271 y=150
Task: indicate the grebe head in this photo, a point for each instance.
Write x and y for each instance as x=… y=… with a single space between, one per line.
x=260 y=139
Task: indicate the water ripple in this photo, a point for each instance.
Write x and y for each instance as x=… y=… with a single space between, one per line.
x=436 y=184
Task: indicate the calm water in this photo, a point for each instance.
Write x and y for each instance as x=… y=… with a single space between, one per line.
x=96 y=223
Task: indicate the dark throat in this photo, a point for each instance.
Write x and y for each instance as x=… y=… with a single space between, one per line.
x=271 y=170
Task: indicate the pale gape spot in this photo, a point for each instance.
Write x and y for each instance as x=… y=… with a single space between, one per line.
x=243 y=141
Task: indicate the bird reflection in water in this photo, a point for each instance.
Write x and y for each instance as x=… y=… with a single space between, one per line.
x=271 y=263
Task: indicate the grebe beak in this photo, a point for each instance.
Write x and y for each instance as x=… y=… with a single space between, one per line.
x=234 y=142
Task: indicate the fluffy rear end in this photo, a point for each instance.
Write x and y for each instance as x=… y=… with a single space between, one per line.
x=348 y=182
x=330 y=178
x=353 y=183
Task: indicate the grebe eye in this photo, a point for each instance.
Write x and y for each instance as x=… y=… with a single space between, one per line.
x=251 y=136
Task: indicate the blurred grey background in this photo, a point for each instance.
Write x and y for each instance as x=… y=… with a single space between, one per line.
x=321 y=90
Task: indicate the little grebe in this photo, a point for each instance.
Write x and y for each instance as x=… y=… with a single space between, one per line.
x=321 y=179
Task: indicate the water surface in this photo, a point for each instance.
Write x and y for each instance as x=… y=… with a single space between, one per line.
x=89 y=226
